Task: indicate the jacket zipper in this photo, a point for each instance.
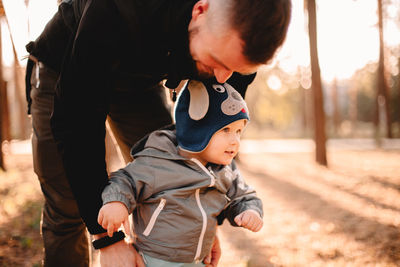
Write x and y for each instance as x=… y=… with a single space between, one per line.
x=203 y=213
x=153 y=218
x=203 y=229
x=205 y=170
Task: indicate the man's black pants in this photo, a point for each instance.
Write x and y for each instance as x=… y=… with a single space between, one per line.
x=131 y=116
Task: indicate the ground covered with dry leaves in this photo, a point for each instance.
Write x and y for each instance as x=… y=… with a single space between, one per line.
x=344 y=215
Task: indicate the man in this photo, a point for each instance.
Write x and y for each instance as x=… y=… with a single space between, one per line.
x=109 y=59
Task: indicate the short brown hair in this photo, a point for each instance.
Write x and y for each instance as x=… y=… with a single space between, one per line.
x=262 y=25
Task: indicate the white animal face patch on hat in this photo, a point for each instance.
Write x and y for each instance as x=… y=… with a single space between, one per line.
x=202 y=109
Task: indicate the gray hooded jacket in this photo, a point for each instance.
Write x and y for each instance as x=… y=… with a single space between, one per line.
x=178 y=202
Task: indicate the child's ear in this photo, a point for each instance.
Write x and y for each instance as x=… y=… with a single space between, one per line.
x=199 y=101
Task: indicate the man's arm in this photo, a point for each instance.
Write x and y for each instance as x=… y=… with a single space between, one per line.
x=81 y=104
x=212 y=259
x=120 y=254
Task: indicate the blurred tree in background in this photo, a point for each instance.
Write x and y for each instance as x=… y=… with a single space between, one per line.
x=281 y=99
x=281 y=102
x=3 y=101
x=382 y=92
x=274 y=101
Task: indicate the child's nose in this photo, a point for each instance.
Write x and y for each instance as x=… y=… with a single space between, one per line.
x=235 y=139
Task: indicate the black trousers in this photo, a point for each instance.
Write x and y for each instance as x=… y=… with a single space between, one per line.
x=131 y=117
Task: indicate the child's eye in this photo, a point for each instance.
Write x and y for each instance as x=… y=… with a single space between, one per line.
x=226 y=130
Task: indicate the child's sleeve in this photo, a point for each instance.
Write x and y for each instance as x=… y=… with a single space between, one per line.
x=130 y=184
x=242 y=197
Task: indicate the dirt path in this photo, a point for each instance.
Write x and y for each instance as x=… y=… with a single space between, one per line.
x=347 y=215
x=20 y=211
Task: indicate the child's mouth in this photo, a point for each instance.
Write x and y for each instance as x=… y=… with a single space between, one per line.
x=230 y=153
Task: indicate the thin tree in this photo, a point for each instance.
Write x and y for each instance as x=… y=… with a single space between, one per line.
x=398 y=67
x=353 y=105
x=303 y=109
x=398 y=93
x=319 y=114
x=335 y=104
x=23 y=121
x=383 y=89
x=305 y=97
x=2 y=96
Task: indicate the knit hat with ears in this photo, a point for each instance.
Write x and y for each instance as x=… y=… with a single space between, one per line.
x=202 y=109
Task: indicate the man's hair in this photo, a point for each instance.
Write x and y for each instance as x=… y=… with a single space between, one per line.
x=261 y=24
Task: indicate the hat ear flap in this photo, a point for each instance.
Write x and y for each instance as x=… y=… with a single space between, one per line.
x=199 y=101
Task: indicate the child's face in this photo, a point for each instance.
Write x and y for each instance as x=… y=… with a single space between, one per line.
x=224 y=144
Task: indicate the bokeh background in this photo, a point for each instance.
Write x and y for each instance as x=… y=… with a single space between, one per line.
x=322 y=148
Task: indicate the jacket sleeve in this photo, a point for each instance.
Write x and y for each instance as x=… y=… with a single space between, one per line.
x=242 y=197
x=131 y=184
x=81 y=103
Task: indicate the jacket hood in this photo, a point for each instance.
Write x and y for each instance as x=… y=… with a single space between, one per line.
x=160 y=144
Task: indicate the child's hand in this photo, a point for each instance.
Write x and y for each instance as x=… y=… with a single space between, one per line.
x=249 y=219
x=112 y=215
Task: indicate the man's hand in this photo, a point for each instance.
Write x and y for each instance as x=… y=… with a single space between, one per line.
x=249 y=219
x=112 y=215
x=120 y=254
x=213 y=258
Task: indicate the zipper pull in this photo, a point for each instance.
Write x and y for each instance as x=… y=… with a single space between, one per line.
x=162 y=204
x=212 y=177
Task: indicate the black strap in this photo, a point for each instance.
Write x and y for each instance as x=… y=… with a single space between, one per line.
x=28 y=74
x=107 y=241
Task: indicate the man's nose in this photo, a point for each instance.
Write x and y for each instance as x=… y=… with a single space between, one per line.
x=222 y=75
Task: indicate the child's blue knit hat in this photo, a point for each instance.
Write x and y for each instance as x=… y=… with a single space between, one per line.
x=202 y=109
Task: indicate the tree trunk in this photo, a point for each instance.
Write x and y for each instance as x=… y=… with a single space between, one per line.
x=4 y=121
x=383 y=89
x=18 y=77
x=353 y=106
x=303 y=109
x=319 y=114
x=3 y=110
x=2 y=167
x=335 y=104
x=398 y=99
x=24 y=124
x=303 y=106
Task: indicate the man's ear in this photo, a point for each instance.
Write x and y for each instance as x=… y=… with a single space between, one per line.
x=199 y=100
x=200 y=8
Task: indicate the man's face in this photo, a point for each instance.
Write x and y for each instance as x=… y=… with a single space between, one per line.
x=215 y=54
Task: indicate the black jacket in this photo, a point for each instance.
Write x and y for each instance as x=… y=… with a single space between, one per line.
x=97 y=45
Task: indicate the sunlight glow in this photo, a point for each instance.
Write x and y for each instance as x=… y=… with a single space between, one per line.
x=295 y=51
x=347 y=34
x=17 y=18
x=25 y=24
x=348 y=37
x=274 y=82
x=39 y=16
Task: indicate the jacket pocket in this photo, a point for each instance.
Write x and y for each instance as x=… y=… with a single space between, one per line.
x=153 y=218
